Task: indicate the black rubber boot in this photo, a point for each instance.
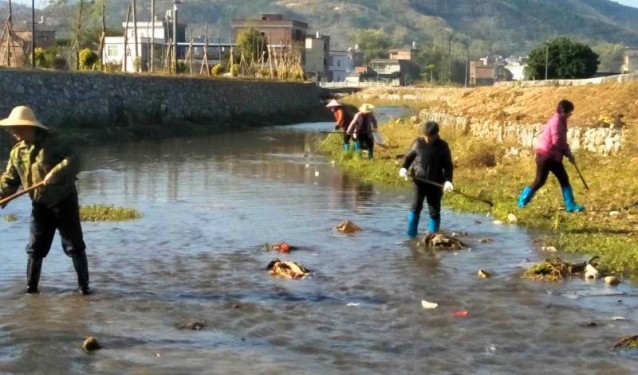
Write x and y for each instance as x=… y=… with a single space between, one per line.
x=82 y=269
x=34 y=266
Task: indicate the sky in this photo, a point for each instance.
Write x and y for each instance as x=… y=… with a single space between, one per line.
x=631 y=3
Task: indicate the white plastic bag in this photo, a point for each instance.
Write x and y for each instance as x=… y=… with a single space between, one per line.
x=378 y=139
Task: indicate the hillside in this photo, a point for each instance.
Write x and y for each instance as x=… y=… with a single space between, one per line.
x=494 y=26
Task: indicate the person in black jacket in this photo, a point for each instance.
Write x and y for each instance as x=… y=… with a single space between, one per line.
x=431 y=160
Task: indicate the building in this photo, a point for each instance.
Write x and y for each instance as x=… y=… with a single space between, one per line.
x=401 y=54
x=516 y=66
x=21 y=42
x=488 y=70
x=390 y=70
x=160 y=36
x=281 y=34
x=339 y=65
x=630 y=61
x=317 y=54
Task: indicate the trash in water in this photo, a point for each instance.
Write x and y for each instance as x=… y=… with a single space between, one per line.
x=483 y=274
x=441 y=241
x=461 y=313
x=91 y=344
x=512 y=219
x=289 y=269
x=316 y=173
x=282 y=247
x=591 y=272
x=353 y=304
x=612 y=280
x=193 y=325
x=626 y=342
x=485 y=240
x=549 y=249
x=348 y=227
x=429 y=305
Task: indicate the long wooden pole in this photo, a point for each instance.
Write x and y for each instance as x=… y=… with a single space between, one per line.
x=137 y=52
x=8 y=199
x=77 y=36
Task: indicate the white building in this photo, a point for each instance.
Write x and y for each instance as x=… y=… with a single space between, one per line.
x=339 y=65
x=114 y=48
x=316 y=56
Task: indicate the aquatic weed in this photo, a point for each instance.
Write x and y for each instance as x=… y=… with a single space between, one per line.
x=102 y=212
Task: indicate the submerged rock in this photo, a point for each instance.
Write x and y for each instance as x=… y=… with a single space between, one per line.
x=289 y=269
x=348 y=227
x=626 y=342
x=441 y=241
x=193 y=325
x=91 y=344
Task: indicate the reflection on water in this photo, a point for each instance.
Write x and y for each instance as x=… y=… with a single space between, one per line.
x=210 y=203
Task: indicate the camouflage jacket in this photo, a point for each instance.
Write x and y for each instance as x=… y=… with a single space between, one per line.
x=30 y=163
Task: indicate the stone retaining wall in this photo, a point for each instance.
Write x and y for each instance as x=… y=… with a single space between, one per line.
x=90 y=99
x=603 y=141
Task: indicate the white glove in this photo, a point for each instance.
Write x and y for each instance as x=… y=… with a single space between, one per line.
x=403 y=173
x=448 y=187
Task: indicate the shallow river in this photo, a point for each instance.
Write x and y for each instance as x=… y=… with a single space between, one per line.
x=211 y=203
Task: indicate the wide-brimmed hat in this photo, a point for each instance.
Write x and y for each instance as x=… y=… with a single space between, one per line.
x=366 y=108
x=22 y=116
x=333 y=103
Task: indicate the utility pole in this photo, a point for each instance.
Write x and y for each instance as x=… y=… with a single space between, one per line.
x=128 y=14
x=175 y=3
x=137 y=59
x=33 y=33
x=77 y=36
x=152 y=36
x=546 y=58
x=449 y=59
x=467 y=63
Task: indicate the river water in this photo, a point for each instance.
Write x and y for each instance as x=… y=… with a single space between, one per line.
x=211 y=203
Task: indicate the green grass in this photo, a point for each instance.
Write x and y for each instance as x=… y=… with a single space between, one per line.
x=101 y=212
x=608 y=228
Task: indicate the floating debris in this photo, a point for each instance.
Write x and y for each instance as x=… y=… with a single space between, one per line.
x=10 y=218
x=193 y=325
x=485 y=240
x=483 y=274
x=289 y=269
x=549 y=249
x=626 y=342
x=91 y=344
x=591 y=272
x=353 y=304
x=554 y=269
x=282 y=247
x=612 y=280
x=103 y=212
x=441 y=241
x=461 y=313
x=348 y=227
x=512 y=219
x=429 y=305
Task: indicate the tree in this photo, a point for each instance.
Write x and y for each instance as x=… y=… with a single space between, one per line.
x=252 y=44
x=565 y=60
x=88 y=59
x=373 y=43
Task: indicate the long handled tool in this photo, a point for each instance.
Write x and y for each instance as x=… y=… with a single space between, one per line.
x=325 y=140
x=488 y=202
x=581 y=176
x=8 y=199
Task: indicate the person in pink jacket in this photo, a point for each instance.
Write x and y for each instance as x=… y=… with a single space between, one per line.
x=550 y=148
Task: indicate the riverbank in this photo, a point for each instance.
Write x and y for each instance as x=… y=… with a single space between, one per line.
x=608 y=228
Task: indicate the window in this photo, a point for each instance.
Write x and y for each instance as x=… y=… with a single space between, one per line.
x=111 y=51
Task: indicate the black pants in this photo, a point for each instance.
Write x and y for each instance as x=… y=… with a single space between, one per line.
x=432 y=194
x=65 y=217
x=544 y=165
x=346 y=137
x=365 y=141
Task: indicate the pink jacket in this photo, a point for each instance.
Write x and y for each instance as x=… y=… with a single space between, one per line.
x=553 y=140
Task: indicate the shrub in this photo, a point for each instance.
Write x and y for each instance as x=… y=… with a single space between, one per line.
x=234 y=70
x=40 y=58
x=88 y=59
x=181 y=67
x=217 y=70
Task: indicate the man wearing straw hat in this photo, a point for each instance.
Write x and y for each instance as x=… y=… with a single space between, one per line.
x=362 y=127
x=40 y=158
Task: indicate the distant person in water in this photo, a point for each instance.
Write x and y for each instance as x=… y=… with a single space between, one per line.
x=342 y=119
x=361 y=128
x=431 y=160
x=39 y=156
x=550 y=148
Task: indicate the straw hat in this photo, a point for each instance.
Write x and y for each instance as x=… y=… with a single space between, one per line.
x=366 y=108
x=22 y=116
x=333 y=103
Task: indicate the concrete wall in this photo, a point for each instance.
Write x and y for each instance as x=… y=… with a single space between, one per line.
x=602 y=141
x=71 y=99
x=573 y=82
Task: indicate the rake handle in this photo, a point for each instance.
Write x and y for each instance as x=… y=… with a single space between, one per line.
x=454 y=191
x=8 y=199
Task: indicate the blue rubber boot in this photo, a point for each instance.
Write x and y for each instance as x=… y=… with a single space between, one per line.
x=433 y=225
x=357 y=147
x=525 y=197
x=346 y=147
x=568 y=197
x=413 y=224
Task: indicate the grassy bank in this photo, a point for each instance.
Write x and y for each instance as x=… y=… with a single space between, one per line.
x=608 y=228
